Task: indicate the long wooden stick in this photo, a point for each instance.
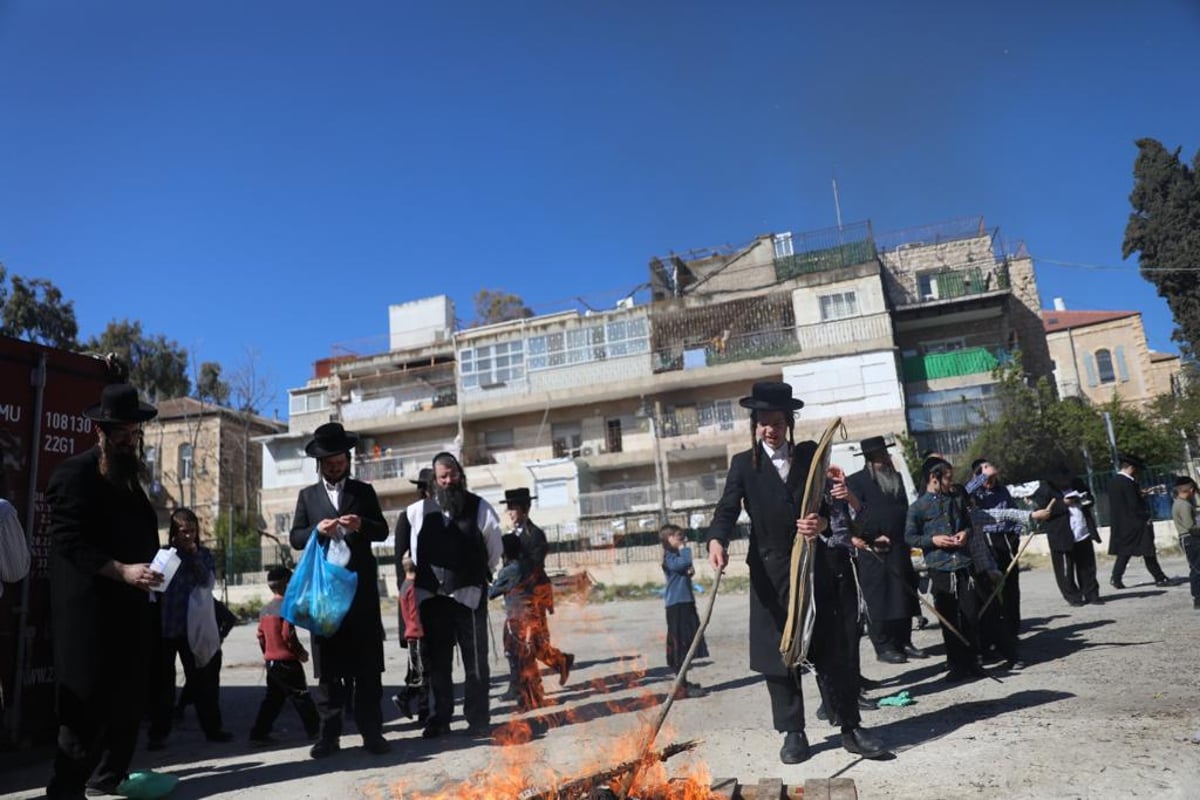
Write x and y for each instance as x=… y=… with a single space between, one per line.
x=583 y=783
x=1011 y=565
x=917 y=595
x=627 y=783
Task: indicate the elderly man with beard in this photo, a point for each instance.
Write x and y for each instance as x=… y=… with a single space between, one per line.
x=888 y=580
x=338 y=507
x=103 y=536
x=454 y=540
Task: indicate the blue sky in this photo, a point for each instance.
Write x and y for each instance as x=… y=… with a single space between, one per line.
x=274 y=174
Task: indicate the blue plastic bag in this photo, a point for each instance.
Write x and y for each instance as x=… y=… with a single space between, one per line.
x=319 y=594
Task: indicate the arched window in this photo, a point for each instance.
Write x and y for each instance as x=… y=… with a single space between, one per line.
x=185 y=462
x=1104 y=367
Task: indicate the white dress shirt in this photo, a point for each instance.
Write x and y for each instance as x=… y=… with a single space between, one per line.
x=1079 y=528
x=489 y=523
x=334 y=490
x=779 y=459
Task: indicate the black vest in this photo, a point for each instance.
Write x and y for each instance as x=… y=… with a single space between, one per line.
x=457 y=546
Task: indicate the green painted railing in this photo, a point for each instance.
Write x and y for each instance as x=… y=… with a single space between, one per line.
x=824 y=259
x=970 y=361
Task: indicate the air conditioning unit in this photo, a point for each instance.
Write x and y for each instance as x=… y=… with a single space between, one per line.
x=587 y=451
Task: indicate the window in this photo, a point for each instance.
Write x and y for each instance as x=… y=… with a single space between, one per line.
x=943 y=346
x=568 y=439
x=596 y=342
x=838 y=306
x=151 y=459
x=491 y=364
x=783 y=245
x=1104 y=366
x=716 y=414
x=185 y=462
x=552 y=494
x=308 y=402
x=283 y=524
x=927 y=285
x=612 y=435
x=498 y=440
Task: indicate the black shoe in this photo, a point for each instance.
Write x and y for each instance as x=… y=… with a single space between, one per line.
x=1196 y=602
x=324 y=749
x=958 y=674
x=377 y=746
x=795 y=748
x=1014 y=665
x=891 y=657
x=690 y=690
x=434 y=729
x=867 y=683
x=861 y=743
x=480 y=730
x=564 y=668
x=1164 y=581
x=402 y=706
x=1116 y=583
x=912 y=651
x=1076 y=603
x=1096 y=601
x=219 y=737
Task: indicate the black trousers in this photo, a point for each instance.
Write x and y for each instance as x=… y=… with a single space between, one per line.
x=956 y=598
x=96 y=736
x=1075 y=572
x=787 y=703
x=1004 y=549
x=205 y=683
x=331 y=694
x=1151 y=566
x=1191 y=549
x=448 y=623
x=286 y=681
x=890 y=634
x=416 y=678
x=834 y=651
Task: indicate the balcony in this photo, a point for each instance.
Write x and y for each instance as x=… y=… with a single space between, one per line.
x=615 y=502
x=955 y=364
x=922 y=288
x=753 y=346
x=381 y=469
x=837 y=335
x=824 y=250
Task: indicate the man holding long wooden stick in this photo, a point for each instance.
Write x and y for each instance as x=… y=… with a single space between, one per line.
x=768 y=480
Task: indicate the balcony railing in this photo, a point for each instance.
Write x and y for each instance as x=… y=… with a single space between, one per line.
x=824 y=250
x=950 y=284
x=703 y=488
x=381 y=469
x=834 y=333
x=957 y=363
x=614 y=502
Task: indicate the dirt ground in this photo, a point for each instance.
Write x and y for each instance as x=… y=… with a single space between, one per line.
x=1109 y=707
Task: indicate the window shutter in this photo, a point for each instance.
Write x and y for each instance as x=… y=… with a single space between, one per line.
x=1122 y=371
x=1089 y=364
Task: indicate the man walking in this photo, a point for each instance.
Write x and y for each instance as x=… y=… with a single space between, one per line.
x=1183 y=512
x=767 y=481
x=888 y=580
x=1070 y=532
x=454 y=540
x=1132 y=534
x=103 y=536
x=340 y=509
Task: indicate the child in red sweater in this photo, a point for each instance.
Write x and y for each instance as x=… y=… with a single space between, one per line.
x=416 y=681
x=285 y=658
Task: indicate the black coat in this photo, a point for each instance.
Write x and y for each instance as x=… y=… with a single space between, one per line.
x=1132 y=533
x=773 y=508
x=1058 y=526
x=103 y=628
x=358 y=644
x=887 y=582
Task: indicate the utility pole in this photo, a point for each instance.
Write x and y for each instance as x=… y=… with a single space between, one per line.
x=659 y=466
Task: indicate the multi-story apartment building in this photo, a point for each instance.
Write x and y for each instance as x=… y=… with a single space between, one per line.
x=205 y=457
x=1104 y=354
x=618 y=419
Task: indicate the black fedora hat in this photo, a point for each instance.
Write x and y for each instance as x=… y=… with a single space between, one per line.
x=874 y=444
x=771 y=396
x=1137 y=462
x=518 y=497
x=330 y=439
x=424 y=478
x=119 y=403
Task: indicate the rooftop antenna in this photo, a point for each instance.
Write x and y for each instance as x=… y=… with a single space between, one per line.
x=837 y=204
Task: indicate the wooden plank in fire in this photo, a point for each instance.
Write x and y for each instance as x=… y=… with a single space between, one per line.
x=581 y=786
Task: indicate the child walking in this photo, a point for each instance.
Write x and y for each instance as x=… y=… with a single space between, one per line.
x=520 y=627
x=285 y=657
x=416 y=680
x=682 y=620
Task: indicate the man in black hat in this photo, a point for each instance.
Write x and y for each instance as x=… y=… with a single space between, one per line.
x=339 y=508
x=454 y=540
x=1065 y=510
x=103 y=536
x=536 y=586
x=768 y=482
x=889 y=582
x=1132 y=534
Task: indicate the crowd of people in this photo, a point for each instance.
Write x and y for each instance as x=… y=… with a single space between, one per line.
x=120 y=623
